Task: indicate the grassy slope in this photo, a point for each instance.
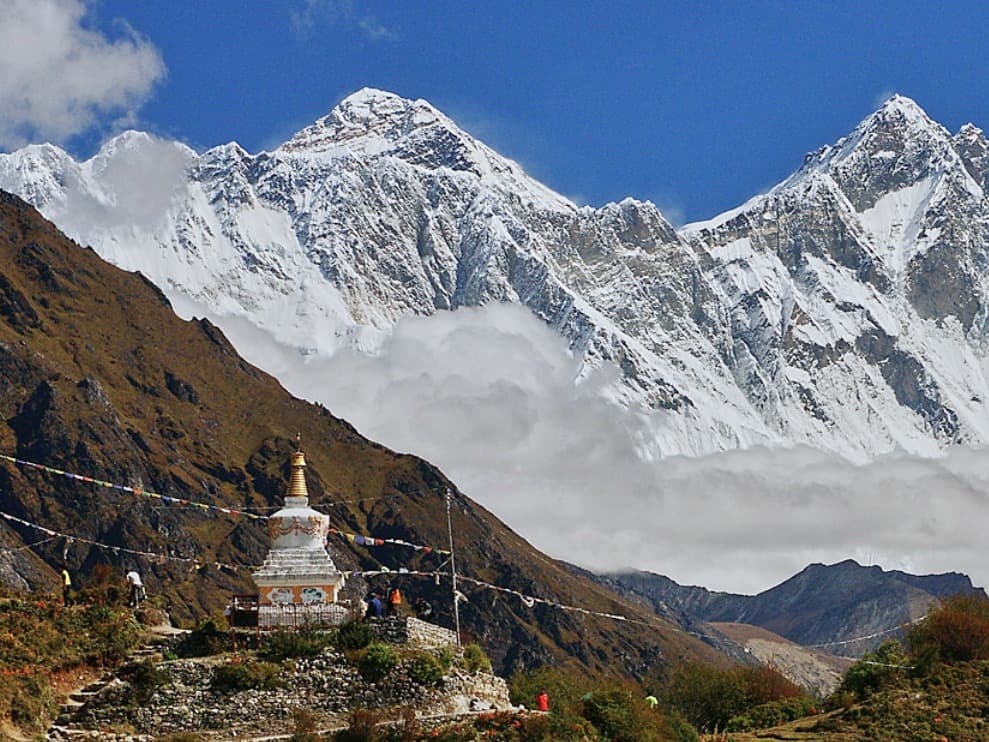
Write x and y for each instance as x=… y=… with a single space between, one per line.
x=951 y=703
x=40 y=640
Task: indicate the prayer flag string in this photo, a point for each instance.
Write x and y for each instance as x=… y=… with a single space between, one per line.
x=197 y=563
x=360 y=540
x=132 y=490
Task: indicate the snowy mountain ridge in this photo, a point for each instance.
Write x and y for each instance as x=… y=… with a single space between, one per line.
x=844 y=309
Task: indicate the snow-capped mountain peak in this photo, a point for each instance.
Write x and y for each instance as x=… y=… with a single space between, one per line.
x=375 y=122
x=847 y=308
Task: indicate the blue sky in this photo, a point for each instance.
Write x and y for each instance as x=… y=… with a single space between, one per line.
x=696 y=106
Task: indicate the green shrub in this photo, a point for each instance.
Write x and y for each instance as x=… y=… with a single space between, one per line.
x=38 y=637
x=875 y=670
x=446 y=656
x=680 y=728
x=237 y=676
x=354 y=635
x=282 y=645
x=475 y=659
x=109 y=633
x=32 y=701
x=707 y=696
x=772 y=714
x=376 y=660
x=209 y=638
x=145 y=679
x=425 y=669
x=620 y=713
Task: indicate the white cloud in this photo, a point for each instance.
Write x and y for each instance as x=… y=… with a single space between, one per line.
x=60 y=77
x=488 y=396
x=138 y=176
x=375 y=31
x=307 y=16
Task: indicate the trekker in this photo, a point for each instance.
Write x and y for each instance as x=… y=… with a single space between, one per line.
x=66 y=586
x=374 y=607
x=652 y=701
x=136 y=589
x=394 y=601
x=542 y=701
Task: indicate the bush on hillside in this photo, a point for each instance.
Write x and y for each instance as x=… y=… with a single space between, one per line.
x=354 y=635
x=376 y=661
x=581 y=709
x=475 y=659
x=364 y=726
x=955 y=631
x=709 y=696
x=873 y=671
x=425 y=668
x=237 y=676
x=38 y=637
x=619 y=712
x=772 y=714
x=145 y=679
x=209 y=638
x=283 y=644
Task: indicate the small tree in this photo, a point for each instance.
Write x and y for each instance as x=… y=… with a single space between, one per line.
x=955 y=631
x=706 y=695
x=875 y=670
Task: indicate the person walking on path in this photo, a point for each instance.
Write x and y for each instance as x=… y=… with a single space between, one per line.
x=136 y=589
x=542 y=701
x=66 y=586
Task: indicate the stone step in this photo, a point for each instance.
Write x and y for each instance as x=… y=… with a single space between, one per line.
x=82 y=696
x=70 y=707
x=57 y=731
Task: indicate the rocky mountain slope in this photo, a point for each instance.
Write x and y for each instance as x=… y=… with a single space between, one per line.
x=822 y=605
x=98 y=377
x=844 y=309
x=818 y=671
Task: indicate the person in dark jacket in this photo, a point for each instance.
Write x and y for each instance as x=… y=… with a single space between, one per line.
x=374 y=607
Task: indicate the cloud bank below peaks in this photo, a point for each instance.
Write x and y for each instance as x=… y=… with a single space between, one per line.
x=489 y=396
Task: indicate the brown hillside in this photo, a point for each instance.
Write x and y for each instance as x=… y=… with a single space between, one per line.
x=99 y=377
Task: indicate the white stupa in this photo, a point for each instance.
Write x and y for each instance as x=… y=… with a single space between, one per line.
x=297 y=571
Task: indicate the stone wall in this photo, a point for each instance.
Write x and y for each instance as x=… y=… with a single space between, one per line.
x=405 y=630
x=429 y=635
x=327 y=687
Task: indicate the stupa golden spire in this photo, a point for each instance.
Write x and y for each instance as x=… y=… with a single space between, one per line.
x=298 y=570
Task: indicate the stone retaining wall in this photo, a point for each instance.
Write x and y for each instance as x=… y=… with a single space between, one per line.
x=405 y=630
x=327 y=687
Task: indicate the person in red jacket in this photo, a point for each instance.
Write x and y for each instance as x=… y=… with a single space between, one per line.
x=394 y=601
x=542 y=701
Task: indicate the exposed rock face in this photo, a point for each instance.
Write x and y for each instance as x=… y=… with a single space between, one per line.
x=845 y=309
x=815 y=670
x=822 y=604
